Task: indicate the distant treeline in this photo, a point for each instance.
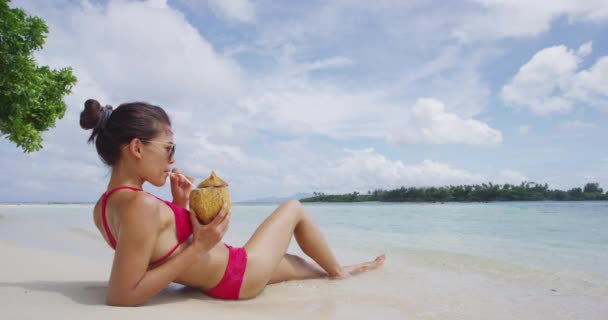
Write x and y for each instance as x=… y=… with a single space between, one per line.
x=526 y=191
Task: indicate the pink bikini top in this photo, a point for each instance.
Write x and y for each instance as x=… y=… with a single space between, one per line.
x=183 y=225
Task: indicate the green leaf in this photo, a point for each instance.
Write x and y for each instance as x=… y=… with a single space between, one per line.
x=31 y=96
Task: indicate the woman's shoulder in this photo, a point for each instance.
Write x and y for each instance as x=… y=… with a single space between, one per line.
x=136 y=204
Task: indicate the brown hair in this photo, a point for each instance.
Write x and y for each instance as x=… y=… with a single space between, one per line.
x=112 y=129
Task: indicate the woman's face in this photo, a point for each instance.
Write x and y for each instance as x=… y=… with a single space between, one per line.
x=158 y=157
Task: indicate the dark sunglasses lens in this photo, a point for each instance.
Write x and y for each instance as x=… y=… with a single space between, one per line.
x=172 y=151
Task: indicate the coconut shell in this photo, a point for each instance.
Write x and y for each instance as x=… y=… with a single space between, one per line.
x=209 y=196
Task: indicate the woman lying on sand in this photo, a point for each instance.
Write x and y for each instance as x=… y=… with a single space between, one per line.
x=157 y=242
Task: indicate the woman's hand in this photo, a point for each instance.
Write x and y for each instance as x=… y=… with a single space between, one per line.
x=180 y=188
x=207 y=236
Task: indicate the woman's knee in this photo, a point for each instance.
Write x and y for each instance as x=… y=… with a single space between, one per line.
x=293 y=207
x=293 y=203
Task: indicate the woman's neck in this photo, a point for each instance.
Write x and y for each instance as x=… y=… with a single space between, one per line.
x=123 y=175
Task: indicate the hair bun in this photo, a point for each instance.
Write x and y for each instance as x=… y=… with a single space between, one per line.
x=91 y=114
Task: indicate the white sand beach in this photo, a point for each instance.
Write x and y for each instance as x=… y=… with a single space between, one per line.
x=44 y=284
x=40 y=279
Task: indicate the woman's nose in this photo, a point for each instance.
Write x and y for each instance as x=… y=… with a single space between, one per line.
x=172 y=161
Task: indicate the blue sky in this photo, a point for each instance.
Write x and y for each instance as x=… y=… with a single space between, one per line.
x=282 y=97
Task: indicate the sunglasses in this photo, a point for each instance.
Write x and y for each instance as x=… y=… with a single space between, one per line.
x=169 y=146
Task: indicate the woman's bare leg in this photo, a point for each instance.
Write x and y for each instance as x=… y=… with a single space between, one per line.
x=293 y=267
x=356 y=269
x=269 y=243
x=267 y=247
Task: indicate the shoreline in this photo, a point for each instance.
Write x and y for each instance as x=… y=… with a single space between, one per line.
x=56 y=266
x=329 y=202
x=455 y=202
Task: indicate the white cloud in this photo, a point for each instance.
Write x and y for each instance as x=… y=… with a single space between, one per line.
x=494 y=19
x=551 y=83
x=234 y=10
x=161 y=57
x=577 y=124
x=302 y=166
x=428 y=122
x=158 y=57
x=589 y=86
x=367 y=169
x=305 y=108
x=301 y=107
x=535 y=83
x=223 y=158
x=452 y=76
x=510 y=176
x=585 y=49
x=465 y=93
x=66 y=167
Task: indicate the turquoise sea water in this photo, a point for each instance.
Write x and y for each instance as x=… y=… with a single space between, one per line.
x=555 y=252
x=554 y=235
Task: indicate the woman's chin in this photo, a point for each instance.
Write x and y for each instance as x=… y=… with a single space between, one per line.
x=158 y=183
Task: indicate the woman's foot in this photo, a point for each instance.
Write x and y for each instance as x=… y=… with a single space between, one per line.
x=353 y=270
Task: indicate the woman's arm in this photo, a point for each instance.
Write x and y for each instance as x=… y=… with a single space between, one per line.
x=131 y=283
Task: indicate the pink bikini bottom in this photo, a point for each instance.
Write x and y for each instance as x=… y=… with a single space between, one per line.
x=230 y=285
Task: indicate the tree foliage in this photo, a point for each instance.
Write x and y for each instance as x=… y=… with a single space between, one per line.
x=31 y=96
x=526 y=191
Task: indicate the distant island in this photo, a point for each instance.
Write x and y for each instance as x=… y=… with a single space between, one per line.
x=526 y=191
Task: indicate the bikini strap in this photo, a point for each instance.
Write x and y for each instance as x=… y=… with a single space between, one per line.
x=104 y=201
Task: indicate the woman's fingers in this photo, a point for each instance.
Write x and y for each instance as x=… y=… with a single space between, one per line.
x=194 y=220
x=224 y=225
x=225 y=221
x=182 y=180
x=221 y=226
x=220 y=216
x=174 y=176
x=191 y=179
x=209 y=235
